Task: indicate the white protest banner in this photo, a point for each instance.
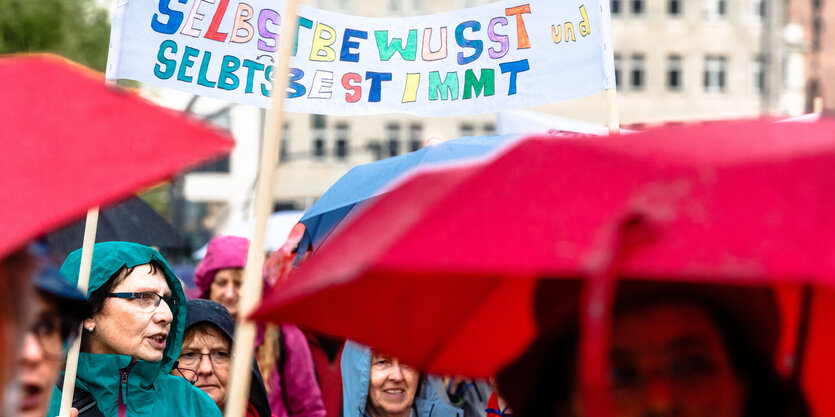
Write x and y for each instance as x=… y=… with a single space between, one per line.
x=507 y=55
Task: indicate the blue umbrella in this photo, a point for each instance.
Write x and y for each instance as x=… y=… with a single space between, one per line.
x=366 y=181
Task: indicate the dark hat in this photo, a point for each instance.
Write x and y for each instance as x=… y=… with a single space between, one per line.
x=71 y=301
x=207 y=311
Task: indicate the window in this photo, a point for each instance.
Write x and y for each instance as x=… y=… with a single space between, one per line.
x=714 y=77
x=637 y=7
x=318 y=148
x=415 y=137
x=393 y=139
x=758 y=75
x=758 y=9
x=674 y=81
x=715 y=9
x=376 y=149
x=636 y=72
x=674 y=8
x=318 y=123
x=342 y=140
x=817 y=28
x=283 y=152
x=341 y=149
x=467 y=129
x=614 y=7
x=618 y=65
x=489 y=129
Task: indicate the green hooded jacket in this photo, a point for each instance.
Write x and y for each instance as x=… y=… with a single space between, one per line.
x=146 y=388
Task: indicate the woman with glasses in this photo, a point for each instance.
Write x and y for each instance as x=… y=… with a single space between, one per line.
x=205 y=360
x=133 y=337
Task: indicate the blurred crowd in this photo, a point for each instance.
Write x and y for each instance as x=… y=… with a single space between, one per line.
x=676 y=349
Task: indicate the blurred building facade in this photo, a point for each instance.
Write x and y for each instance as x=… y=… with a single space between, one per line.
x=675 y=60
x=812 y=24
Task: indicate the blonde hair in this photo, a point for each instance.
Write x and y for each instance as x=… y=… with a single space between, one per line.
x=269 y=354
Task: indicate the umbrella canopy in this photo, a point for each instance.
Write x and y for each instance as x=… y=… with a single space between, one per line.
x=440 y=262
x=132 y=220
x=366 y=181
x=69 y=143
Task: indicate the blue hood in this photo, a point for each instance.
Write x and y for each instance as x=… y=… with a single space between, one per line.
x=356 y=373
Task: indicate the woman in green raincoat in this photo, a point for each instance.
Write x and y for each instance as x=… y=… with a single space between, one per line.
x=132 y=341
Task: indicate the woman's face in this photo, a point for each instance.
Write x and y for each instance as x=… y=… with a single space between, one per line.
x=124 y=327
x=226 y=289
x=670 y=360
x=392 y=387
x=206 y=352
x=40 y=361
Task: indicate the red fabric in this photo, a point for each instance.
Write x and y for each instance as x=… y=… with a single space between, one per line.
x=735 y=201
x=416 y=272
x=493 y=407
x=330 y=377
x=69 y=143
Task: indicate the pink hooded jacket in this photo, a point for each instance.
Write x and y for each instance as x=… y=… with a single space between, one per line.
x=294 y=390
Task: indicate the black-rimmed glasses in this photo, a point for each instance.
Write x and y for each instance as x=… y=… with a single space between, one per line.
x=147 y=300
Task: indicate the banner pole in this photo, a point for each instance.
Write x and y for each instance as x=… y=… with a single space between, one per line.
x=91 y=224
x=242 y=350
x=83 y=280
x=613 y=119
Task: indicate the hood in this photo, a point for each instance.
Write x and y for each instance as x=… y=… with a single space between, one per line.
x=222 y=252
x=110 y=257
x=356 y=371
x=356 y=374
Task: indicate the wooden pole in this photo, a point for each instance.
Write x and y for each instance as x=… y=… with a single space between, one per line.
x=90 y=231
x=242 y=350
x=613 y=119
x=83 y=280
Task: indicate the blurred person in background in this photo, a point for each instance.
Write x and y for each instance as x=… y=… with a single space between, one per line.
x=676 y=350
x=59 y=309
x=282 y=352
x=470 y=395
x=16 y=296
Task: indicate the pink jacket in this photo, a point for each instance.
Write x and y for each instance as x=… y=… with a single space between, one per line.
x=294 y=392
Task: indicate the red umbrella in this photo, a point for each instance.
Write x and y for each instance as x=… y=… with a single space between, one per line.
x=69 y=143
x=432 y=270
